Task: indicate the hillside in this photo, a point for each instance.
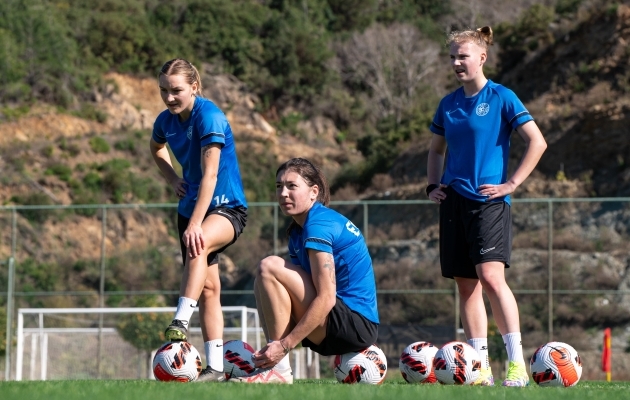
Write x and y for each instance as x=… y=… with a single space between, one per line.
x=579 y=90
x=54 y=157
x=49 y=157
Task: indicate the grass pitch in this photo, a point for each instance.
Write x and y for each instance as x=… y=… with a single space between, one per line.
x=301 y=389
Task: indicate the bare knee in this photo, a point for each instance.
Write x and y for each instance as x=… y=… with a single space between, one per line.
x=465 y=291
x=268 y=267
x=492 y=283
x=466 y=287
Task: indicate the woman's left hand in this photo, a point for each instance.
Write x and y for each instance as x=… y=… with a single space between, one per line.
x=495 y=191
x=269 y=356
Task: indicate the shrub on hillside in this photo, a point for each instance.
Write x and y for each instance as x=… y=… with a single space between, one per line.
x=99 y=145
x=62 y=171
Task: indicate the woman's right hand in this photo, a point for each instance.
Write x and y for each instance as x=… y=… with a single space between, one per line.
x=179 y=187
x=193 y=240
x=437 y=195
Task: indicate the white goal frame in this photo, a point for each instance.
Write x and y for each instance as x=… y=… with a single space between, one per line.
x=42 y=331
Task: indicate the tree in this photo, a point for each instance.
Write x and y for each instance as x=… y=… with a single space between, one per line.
x=392 y=62
x=351 y=15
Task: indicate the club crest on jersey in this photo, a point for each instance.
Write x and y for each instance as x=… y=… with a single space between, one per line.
x=189 y=133
x=483 y=109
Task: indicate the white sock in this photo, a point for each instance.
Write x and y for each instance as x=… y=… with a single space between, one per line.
x=214 y=354
x=284 y=364
x=481 y=345
x=514 y=346
x=185 y=309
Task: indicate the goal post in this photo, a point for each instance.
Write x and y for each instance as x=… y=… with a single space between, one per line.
x=69 y=336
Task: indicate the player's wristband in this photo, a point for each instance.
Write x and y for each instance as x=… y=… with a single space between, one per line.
x=286 y=349
x=431 y=188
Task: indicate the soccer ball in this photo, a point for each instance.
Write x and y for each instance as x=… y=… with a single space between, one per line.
x=177 y=361
x=367 y=366
x=457 y=363
x=416 y=363
x=556 y=364
x=237 y=359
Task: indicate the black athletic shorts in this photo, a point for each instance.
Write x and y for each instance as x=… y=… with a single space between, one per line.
x=472 y=232
x=346 y=331
x=238 y=218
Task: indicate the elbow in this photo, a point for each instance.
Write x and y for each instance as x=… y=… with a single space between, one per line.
x=543 y=146
x=210 y=176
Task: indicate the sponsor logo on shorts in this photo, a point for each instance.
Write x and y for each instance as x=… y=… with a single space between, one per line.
x=484 y=251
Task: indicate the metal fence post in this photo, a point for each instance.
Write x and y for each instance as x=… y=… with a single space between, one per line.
x=7 y=360
x=550 y=271
x=101 y=292
x=365 y=222
x=13 y=232
x=10 y=290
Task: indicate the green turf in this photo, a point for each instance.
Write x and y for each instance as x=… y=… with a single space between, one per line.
x=301 y=389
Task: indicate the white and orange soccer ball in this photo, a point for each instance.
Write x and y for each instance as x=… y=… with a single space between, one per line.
x=237 y=359
x=177 y=361
x=556 y=364
x=457 y=363
x=368 y=366
x=416 y=363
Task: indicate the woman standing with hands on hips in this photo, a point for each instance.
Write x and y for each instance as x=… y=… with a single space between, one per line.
x=473 y=190
x=212 y=210
x=325 y=296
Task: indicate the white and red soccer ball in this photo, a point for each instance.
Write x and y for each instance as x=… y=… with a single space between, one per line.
x=457 y=363
x=177 y=361
x=237 y=359
x=556 y=364
x=368 y=366
x=416 y=363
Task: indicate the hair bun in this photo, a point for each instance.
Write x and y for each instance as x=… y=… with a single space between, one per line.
x=486 y=34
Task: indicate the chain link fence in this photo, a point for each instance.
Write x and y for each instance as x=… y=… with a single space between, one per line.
x=569 y=261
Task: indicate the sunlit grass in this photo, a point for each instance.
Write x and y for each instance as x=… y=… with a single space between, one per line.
x=301 y=389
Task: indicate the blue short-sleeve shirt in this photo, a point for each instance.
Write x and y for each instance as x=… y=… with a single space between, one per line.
x=328 y=231
x=207 y=124
x=477 y=131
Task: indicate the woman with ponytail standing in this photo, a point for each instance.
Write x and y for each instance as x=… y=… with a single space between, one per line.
x=473 y=188
x=212 y=209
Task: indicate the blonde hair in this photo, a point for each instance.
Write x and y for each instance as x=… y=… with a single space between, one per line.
x=179 y=66
x=481 y=36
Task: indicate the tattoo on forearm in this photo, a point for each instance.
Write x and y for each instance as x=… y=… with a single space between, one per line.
x=205 y=151
x=329 y=264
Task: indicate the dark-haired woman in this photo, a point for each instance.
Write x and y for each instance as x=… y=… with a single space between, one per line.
x=325 y=296
x=212 y=210
x=475 y=122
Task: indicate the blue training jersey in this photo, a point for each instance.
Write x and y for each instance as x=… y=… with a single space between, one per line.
x=207 y=124
x=477 y=131
x=328 y=231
